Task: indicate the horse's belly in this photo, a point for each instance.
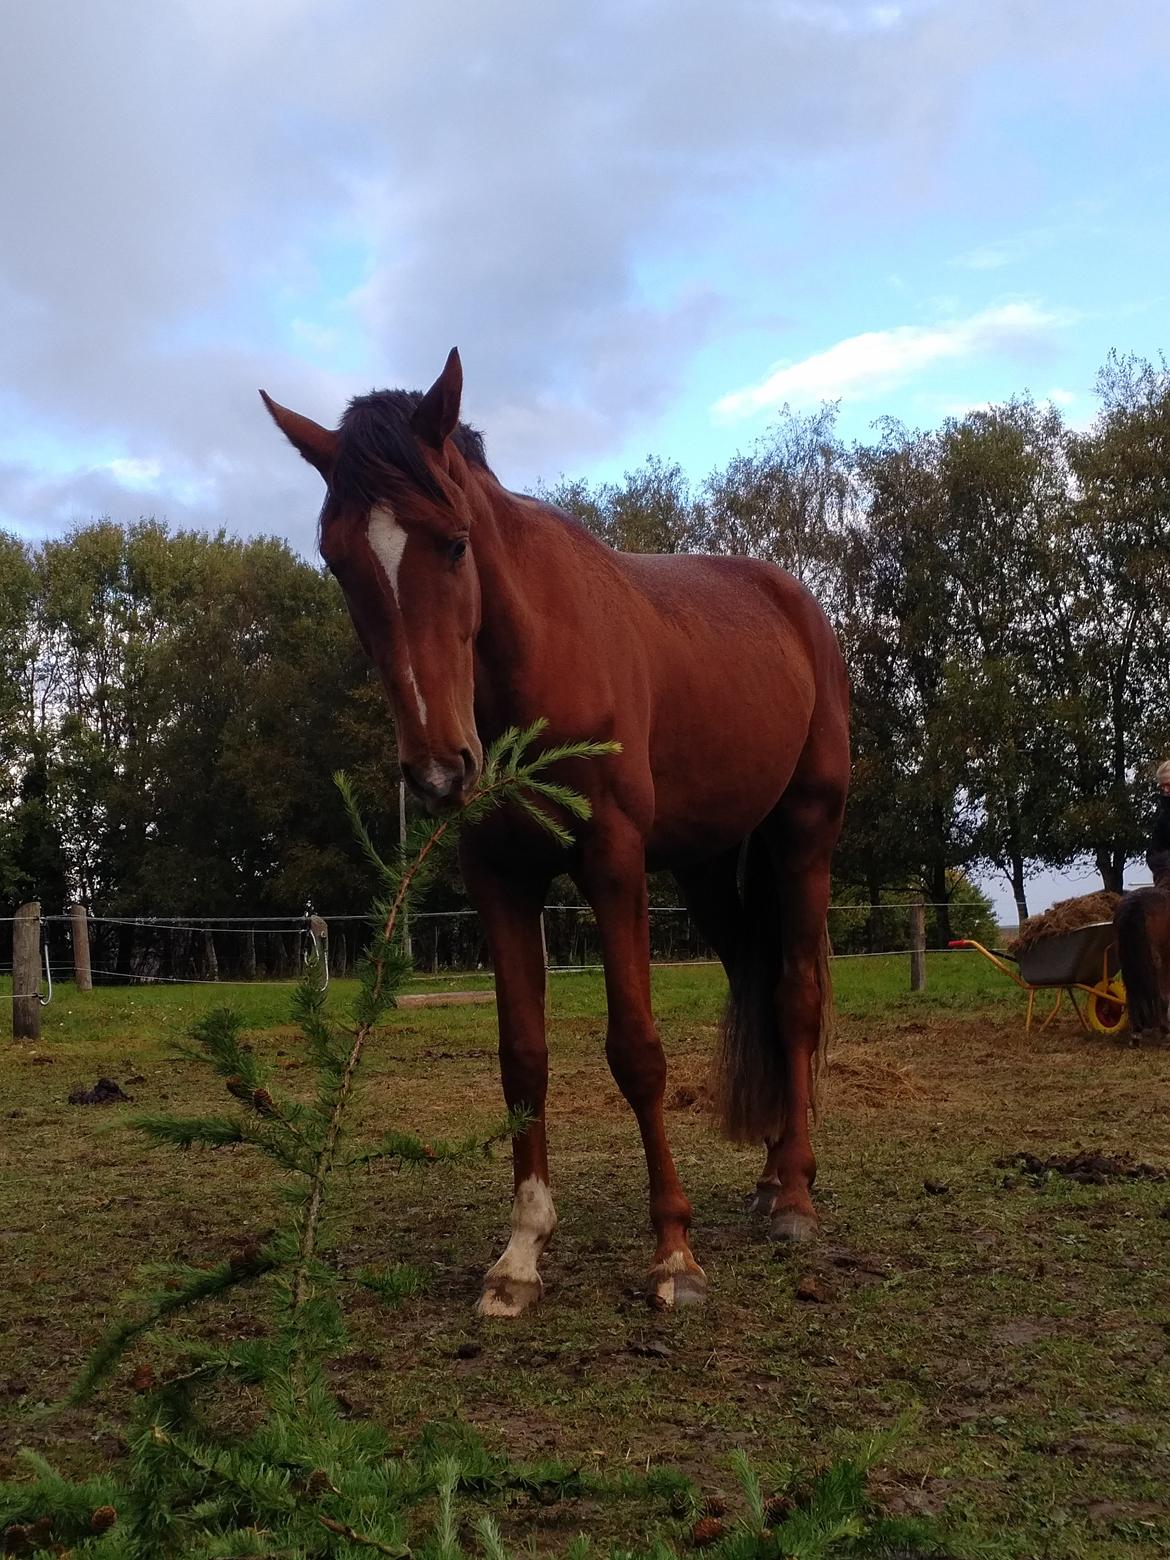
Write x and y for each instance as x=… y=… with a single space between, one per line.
x=722 y=759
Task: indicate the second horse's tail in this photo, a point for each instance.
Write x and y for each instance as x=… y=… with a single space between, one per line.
x=1138 y=918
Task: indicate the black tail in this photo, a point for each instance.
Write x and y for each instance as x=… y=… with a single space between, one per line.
x=1139 y=971
x=750 y=1075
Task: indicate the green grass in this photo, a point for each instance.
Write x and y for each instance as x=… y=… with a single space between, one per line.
x=1028 y=1321
x=956 y=981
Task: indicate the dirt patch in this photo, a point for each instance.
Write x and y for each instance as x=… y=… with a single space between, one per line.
x=1068 y=915
x=418 y=999
x=1085 y=1166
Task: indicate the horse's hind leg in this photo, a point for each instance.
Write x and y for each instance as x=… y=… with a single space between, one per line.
x=510 y=910
x=800 y=835
x=613 y=879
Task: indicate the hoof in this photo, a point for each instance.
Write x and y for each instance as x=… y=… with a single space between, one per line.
x=508 y=1296
x=760 y=1201
x=677 y=1283
x=789 y=1225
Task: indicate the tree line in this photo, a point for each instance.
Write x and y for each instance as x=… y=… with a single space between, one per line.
x=172 y=708
x=1001 y=588
x=173 y=705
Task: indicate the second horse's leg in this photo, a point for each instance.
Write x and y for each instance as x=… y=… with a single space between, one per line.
x=613 y=879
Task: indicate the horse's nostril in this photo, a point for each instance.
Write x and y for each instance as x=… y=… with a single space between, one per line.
x=436 y=781
x=468 y=762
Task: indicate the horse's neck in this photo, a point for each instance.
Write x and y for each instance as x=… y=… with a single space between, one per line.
x=512 y=538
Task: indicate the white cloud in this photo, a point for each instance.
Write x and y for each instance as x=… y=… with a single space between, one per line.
x=133 y=473
x=990 y=257
x=881 y=360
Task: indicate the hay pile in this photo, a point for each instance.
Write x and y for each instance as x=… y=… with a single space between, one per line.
x=1067 y=916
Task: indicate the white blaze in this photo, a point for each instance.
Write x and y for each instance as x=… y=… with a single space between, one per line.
x=388 y=542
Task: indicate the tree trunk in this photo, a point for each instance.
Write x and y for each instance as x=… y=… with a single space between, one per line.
x=210 y=959
x=1019 y=890
x=942 y=908
x=1111 y=866
x=249 y=955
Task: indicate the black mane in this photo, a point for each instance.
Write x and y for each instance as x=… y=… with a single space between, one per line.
x=379 y=450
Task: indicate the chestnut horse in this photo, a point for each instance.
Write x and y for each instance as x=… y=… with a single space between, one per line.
x=1142 y=920
x=723 y=683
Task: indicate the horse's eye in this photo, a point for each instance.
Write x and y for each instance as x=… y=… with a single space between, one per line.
x=456 y=549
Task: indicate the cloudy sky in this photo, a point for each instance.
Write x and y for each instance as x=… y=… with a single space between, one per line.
x=646 y=224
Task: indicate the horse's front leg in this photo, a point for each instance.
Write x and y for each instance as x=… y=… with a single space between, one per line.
x=511 y=913
x=613 y=879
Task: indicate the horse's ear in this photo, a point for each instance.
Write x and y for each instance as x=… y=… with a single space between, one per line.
x=437 y=413
x=318 y=445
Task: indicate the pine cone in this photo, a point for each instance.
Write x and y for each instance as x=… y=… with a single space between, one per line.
x=714 y=1506
x=17 y=1540
x=680 y=1503
x=777 y=1508
x=263 y=1103
x=103 y=1519
x=317 y=1484
x=236 y=1086
x=708 y=1530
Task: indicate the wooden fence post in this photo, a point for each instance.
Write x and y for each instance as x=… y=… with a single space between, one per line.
x=26 y=972
x=320 y=929
x=917 y=944
x=79 y=930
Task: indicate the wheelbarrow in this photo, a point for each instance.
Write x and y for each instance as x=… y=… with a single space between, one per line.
x=1084 y=961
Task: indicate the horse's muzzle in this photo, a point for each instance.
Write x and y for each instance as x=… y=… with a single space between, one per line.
x=442 y=783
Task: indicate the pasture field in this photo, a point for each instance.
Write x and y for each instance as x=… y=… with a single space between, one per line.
x=1025 y=1314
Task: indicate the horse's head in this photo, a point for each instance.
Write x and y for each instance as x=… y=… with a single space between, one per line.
x=396 y=531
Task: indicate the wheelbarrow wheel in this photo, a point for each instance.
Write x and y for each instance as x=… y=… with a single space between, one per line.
x=1106 y=1009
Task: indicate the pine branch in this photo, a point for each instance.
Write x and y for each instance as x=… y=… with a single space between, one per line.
x=221 y=1132
x=201 y=1286
x=410 y=1149
x=363 y=1540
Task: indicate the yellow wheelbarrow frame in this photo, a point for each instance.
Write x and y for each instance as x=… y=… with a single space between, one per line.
x=1105 y=1009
